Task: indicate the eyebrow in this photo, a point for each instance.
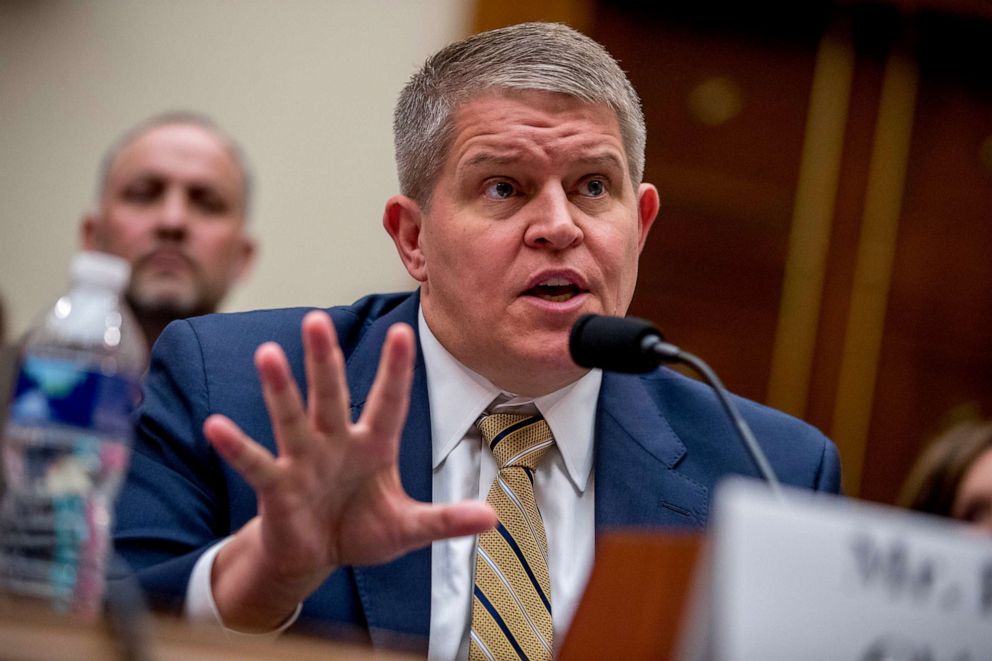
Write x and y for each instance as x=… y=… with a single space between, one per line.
x=489 y=158
x=604 y=161
x=196 y=182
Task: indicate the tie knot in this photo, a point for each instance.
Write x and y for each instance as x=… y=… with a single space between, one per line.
x=516 y=439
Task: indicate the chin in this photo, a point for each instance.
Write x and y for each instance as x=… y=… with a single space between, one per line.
x=551 y=354
x=165 y=300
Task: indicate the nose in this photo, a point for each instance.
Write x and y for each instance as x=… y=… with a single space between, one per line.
x=173 y=214
x=553 y=224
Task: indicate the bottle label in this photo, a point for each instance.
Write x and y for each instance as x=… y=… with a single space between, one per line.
x=65 y=450
x=61 y=392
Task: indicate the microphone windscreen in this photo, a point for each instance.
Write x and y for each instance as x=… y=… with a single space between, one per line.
x=613 y=343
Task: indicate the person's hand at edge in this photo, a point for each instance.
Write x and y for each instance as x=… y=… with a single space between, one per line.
x=333 y=495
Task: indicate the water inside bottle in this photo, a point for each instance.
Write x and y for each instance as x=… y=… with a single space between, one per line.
x=66 y=447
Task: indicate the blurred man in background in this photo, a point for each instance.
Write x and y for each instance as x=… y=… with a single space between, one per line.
x=173 y=201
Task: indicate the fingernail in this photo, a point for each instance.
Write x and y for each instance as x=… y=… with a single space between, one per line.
x=273 y=377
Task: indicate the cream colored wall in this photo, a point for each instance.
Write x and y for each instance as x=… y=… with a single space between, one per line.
x=307 y=86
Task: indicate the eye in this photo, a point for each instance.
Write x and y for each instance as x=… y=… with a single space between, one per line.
x=593 y=187
x=208 y=201
x=142 y=191
x=499 y=190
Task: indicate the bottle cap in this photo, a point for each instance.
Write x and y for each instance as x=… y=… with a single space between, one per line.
x=101 y=269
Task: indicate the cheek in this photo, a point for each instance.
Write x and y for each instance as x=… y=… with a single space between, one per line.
x=617 y=253
x=617 y=258
x=126 y=236
x=458 y=253
x=217 y=244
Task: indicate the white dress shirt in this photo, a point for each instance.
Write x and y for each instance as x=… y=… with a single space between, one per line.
x=464 y=469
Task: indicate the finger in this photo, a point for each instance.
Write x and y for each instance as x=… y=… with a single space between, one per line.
x=327 y=388
x=389 y=396
x=426 y=523
x=251 y=460
x=282 y=399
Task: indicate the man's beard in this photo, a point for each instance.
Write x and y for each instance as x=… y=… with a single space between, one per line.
x=163 y=307
x=160 y=297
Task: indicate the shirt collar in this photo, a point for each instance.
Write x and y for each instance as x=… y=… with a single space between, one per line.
x=457 y=396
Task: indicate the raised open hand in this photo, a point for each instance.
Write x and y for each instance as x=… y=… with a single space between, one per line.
x=333 y=495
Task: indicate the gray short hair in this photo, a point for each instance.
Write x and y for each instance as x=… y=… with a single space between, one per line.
x=528 y=56
x=181 y=117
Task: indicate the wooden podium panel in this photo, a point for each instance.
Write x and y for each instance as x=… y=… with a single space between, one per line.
x=633 y=606
x=31 y=632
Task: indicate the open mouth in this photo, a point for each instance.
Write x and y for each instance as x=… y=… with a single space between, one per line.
x=556 y=290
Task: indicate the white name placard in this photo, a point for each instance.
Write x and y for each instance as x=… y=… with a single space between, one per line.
x=824 y=577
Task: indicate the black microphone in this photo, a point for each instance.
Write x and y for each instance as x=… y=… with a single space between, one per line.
x=619 y=344
x=635 y=346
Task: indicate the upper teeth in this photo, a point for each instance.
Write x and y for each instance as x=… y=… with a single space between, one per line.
x=556 y=282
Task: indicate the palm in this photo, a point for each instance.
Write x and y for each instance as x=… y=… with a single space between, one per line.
x=333 y=495
x=357 y=518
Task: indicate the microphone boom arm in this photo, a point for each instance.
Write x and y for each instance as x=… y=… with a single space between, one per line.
x=668 y=353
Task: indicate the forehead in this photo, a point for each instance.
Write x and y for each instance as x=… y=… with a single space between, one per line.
x=510 y=125
x=979 y=474
x=181 y=151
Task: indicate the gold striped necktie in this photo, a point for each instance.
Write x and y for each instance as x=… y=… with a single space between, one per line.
x=511 y=604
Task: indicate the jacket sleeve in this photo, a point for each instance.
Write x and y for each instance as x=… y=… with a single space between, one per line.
x=828 y=477
x=170 y=508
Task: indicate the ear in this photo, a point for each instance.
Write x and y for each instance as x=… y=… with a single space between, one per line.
x=647 y=210
x=89 y=230
x=402 y=220
x=246 y=260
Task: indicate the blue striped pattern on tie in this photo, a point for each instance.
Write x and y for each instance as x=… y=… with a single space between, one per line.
x=511 y=612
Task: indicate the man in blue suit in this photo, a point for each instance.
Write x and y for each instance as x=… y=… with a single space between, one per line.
x=354 y=498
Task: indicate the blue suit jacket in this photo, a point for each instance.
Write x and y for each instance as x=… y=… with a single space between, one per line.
x=662 y=443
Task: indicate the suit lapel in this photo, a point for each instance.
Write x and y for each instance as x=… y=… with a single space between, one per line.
x=638 y=482
x=396 y=597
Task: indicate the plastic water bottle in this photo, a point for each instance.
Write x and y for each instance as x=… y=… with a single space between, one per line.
x=67 y=439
